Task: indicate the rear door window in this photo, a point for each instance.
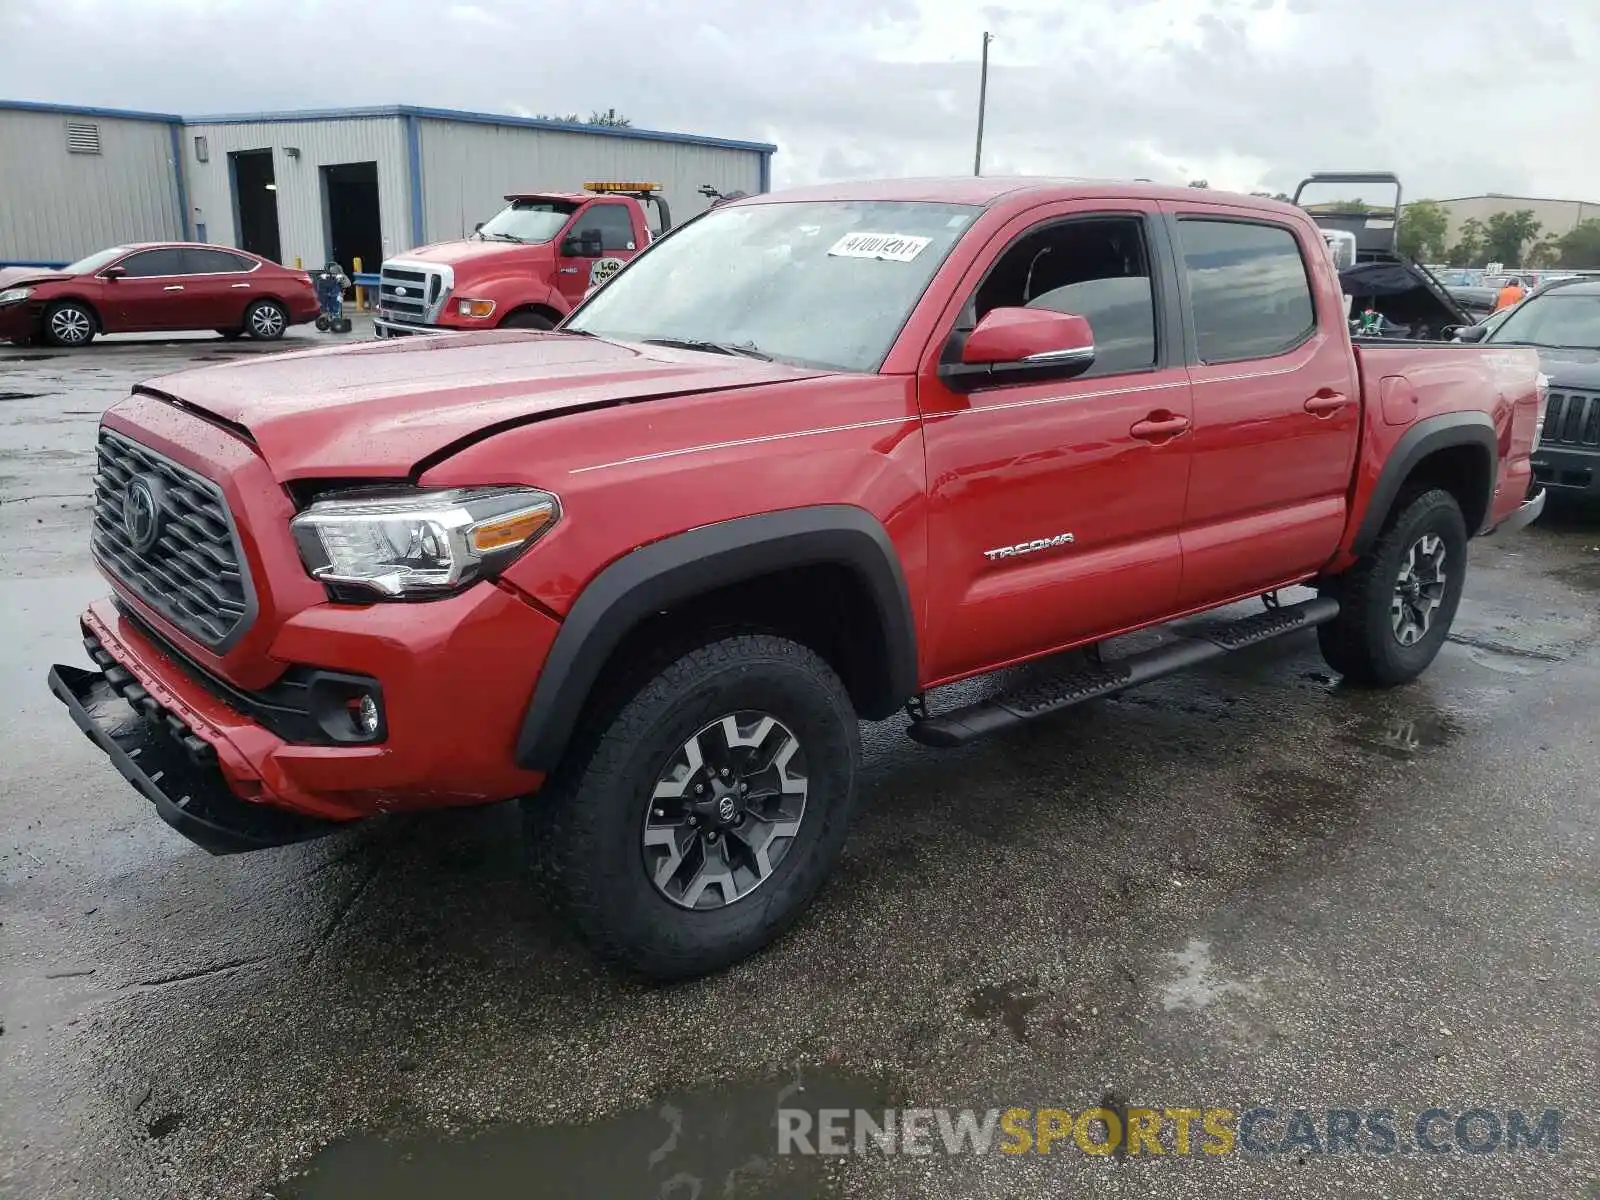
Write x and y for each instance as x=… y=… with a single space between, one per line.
x=1248 y=288
x=213 y=262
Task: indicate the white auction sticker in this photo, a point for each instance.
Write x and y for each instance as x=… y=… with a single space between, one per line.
x=896 y=247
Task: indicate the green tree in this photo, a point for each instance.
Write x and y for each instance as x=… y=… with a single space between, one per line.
x=1469 y=247
x=1580 y=247
x=610 y=117
x=1423 y=225
x=1199 y=183
x=1508 y=233
x=1543 y=255
x=1358 y=206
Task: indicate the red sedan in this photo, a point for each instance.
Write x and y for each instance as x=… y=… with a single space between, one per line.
x=154 y=287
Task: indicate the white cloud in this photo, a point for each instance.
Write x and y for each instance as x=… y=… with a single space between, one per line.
x=1457 y=96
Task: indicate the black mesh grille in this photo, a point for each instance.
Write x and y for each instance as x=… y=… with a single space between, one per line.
x=1572 y=419
x=194 y=574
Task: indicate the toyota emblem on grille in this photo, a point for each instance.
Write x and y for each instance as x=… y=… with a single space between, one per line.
x=401 y=292
x=141 y=512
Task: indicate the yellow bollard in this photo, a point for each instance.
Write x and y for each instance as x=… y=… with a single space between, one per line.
x=361 y=292
x=297 y=265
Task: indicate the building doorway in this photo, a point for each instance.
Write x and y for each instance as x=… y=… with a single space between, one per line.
x=350 y=200
x=255 y=202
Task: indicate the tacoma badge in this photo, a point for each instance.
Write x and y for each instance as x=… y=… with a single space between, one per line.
x=1033 y=547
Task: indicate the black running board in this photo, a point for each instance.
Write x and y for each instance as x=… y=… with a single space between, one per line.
x=1197 y=644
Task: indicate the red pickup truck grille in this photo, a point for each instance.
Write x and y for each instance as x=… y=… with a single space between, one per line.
x=165 y=533
x=1572 y=419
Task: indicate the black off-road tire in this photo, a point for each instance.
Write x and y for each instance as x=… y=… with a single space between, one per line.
x=586 y=827
x=1361 y=643
x=527 y=320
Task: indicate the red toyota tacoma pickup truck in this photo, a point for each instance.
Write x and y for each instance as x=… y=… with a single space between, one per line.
x=805 y=461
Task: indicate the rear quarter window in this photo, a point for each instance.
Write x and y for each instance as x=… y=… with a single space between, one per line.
x=1248 y=288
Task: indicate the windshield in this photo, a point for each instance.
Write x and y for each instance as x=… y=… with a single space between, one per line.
x=822 y=283
x=1555 y=321
x=88 y=266
x=528 y=221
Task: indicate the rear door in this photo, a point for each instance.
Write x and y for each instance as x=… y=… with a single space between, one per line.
x=217 y=288
x=619 y=241
x=1086 y=475
x=149 y=296
x=1277 y=404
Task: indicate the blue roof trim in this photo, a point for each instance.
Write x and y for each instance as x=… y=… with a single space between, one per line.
x=478 y=118
x=78 y=110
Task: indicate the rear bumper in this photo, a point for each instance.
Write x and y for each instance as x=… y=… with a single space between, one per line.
x=170 y=766
x=1526 y=514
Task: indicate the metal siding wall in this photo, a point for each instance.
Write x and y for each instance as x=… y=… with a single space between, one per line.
x=57 y=207
x=468 y=169
x=302 y=229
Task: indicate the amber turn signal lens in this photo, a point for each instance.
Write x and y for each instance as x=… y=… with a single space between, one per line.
x=502 y=533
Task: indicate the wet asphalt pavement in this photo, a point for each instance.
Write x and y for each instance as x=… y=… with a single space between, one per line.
x=1244 y=887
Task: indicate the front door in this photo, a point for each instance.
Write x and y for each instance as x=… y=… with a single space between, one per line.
x=1086 y=476
x=619 y=241
x=150 y=293
x=1276 y=405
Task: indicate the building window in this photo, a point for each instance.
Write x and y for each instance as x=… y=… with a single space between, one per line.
x=83 y=137
x=202 y=151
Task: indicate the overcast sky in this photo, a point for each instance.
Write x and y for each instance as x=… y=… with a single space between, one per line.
x=1457 y=96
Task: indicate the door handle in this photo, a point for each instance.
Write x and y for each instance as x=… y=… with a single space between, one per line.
x=1326 y=403
x=173 y=287
x=1159 y=426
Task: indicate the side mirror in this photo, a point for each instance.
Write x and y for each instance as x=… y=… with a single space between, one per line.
x=1018 y=345
x=1472 y=333
x=113 y=272
x=478 y=228
x=585 y=243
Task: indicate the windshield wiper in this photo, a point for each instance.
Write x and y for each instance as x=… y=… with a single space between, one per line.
x=504 y=237
x=744 y=349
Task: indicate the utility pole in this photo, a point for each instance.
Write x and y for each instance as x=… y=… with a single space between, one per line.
x=983 y=98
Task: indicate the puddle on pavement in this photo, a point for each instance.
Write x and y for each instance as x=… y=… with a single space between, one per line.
x=705 y=1144
x=1404 y=736
x=1009 y=1003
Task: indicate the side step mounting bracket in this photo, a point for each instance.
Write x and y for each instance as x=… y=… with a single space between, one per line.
x=1198 y=643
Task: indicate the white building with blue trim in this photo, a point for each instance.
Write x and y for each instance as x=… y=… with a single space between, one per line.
x=301 y=187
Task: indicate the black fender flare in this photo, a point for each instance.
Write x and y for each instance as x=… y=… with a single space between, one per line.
x=1424 y=438
x=675 y=569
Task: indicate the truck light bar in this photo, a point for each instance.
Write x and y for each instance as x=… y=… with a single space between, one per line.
x=621 y=187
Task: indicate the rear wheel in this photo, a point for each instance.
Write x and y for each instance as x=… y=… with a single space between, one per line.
x=527 y=319
x=1398 y=602
x=69 y=324
x=266 y=320
x=698 y=823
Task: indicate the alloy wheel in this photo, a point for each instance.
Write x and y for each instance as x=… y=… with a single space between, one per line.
x=725 y=811
x=1419 y=589
x=70 y=326
x=266 y=321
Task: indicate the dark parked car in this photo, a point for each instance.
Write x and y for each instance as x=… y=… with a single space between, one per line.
x=154 y=287
x=1563 y=325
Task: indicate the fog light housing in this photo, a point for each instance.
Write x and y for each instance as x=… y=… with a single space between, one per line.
x=349 y=708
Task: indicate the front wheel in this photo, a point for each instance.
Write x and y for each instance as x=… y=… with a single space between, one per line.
x=1397 y=603
x=699 y=822
x=69 y=324
x=527 y=320
x=266 y=320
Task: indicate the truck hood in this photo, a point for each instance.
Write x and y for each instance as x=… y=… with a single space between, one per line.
x=377 y=409
x=11 y=277
x=466 y=251
x=1570 y=368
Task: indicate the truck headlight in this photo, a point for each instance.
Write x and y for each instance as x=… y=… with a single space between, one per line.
x=476 y=309
x=15 y=295
x=419 y=541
